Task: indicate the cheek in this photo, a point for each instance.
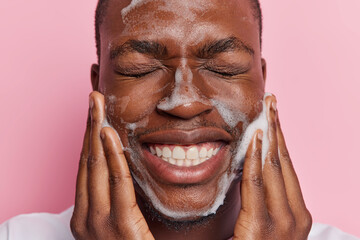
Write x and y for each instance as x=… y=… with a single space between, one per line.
x=237 y=100
x=132 y=101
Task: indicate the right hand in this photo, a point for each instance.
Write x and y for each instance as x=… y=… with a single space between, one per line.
x=105 y=202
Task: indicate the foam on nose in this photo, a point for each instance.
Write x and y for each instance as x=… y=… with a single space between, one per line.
x=180 y=96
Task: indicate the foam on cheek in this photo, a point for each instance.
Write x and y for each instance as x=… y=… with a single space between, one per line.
x=261 y=123
x=232 y=118
x=142 y=123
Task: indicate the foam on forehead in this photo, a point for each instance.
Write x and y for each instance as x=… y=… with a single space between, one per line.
x=133 y=4
x=171 y=5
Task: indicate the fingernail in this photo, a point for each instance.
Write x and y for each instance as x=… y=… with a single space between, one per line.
x=273 y=106
x=260 y=135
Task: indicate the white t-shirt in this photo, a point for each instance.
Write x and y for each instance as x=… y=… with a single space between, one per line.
x=46 y=226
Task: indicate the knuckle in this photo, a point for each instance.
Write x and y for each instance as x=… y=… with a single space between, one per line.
x=77 y=227
x=257 y=154
x=95 y=222
x=114 y=179
x=93 y=160
x=274 y=161
x=266 y=227
x=83 y=158
x=257 y=181
x=272 y=125
x=117 y=180
x=284 y=154
x=288 y=225
x=95 y=120
x=306 y=221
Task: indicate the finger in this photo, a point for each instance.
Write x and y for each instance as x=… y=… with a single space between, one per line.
x=252 y=189
x=98 y=187
x=81 y=196
x=123 y=200
x=292 y=185
x=124 y=207
x=275 y=192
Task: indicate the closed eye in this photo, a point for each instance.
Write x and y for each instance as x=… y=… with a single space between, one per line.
x=228 y=72
x=136 y=75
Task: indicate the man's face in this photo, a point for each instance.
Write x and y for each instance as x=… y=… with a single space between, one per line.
x=182 y=80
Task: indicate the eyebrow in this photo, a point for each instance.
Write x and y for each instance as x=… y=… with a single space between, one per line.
x=145 y=47
x=210 y=49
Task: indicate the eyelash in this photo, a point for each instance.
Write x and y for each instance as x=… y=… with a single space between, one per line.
x=136 y=75
x=227 y=74
x=224 y=74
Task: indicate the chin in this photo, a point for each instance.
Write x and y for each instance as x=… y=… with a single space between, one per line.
x=184 y=202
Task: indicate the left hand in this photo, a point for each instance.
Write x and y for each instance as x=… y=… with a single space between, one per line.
x=272 y=205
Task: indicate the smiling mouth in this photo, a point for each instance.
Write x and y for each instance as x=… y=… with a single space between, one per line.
x=185 y=155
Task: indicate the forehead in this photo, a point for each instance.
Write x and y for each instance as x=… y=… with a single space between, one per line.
x=185 y=22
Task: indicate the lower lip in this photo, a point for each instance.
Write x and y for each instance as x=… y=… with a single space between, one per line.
x=172 y=174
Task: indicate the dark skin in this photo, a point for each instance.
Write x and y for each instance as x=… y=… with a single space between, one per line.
x=266 y=204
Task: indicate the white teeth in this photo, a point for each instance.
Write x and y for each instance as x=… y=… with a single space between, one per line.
x=180 y=162
x=195 y=162
x=192 y=153
x=166 y=152
x=172 y=161
x=178 y=157
x=188 y=163
x=152 y=150
x=202 y=152
x=178 y=153
x=158 y=152
x=210 y=152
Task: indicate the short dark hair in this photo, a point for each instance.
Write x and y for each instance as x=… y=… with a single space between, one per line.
x=102 y=6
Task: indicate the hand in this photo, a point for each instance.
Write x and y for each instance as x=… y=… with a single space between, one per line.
x=272 y=205
x=105 y=203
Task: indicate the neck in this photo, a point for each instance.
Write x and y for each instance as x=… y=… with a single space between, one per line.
x=218 y=226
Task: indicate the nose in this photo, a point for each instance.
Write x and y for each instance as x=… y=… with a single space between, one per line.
x=186 y=101
x=188 y=110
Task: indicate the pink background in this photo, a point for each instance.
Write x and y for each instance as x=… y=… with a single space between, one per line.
x=47 y=48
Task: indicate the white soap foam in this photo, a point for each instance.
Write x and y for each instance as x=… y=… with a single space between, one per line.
x=107 y=124
x=224 y=184
x=140 y=124
x=179 y=96
x=184 y=13
x=133 y=4
x=261 y=123
x=231 y=117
